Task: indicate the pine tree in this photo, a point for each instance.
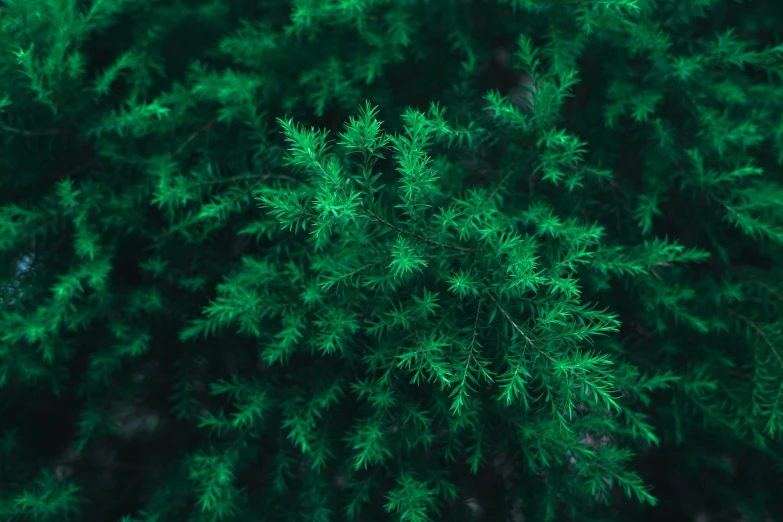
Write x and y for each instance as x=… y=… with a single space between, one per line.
x=409 y=261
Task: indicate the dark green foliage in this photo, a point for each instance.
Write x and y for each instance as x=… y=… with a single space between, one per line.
x=413 y=261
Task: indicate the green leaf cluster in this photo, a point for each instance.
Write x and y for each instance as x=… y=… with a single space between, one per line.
x=409 y=261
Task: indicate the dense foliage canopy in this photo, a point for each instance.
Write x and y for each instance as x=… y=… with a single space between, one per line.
x=422 y=260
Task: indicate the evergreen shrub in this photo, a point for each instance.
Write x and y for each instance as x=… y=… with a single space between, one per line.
x=365 y=260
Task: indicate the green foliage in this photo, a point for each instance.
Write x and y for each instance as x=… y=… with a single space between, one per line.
x=368 y=260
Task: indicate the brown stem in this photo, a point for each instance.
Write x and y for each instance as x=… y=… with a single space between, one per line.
x=193 y=136
x=14 y=130
x=516 y=327
x=379 y=219
x=759 y=331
